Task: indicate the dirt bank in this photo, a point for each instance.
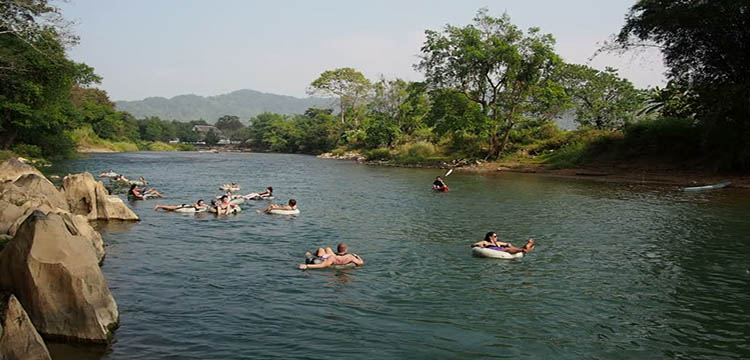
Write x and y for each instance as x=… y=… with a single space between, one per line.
x=629 y=174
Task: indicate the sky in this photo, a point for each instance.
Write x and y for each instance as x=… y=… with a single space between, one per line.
x=145 y=48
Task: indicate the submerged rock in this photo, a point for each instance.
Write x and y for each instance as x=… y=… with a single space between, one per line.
x=56 y=276
x=88 y=197
x=18 y=337
x=12 y=169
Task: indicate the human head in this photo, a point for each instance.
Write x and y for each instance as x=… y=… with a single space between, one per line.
x=132 y=187
x=270 y=189
x=489 y=236
x=292 y=202
x=342 y=248
x=438 y=178
x=224 y=197
x=201 y=202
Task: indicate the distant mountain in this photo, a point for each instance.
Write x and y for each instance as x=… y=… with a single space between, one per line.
x=242 y=103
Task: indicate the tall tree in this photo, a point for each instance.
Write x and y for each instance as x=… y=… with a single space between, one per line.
x=706 y=47
x=497 y=66
x=602 y=99
x=349 y=85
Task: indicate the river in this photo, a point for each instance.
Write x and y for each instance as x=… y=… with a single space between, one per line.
x=619 y=271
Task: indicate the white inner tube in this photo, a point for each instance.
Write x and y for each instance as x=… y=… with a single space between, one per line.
x=229 y=188
x=497 y=254
x=284 y=212
x=237 y=201
x=189 y=209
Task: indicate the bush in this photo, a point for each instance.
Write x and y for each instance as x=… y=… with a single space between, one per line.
x=378 y=154
x=28 y=151
x=186 y=147
x=421 y=149
x=160 y=146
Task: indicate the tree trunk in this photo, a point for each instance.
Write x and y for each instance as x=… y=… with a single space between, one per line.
x=8 y=137
x=505 y=139
x=493 y=146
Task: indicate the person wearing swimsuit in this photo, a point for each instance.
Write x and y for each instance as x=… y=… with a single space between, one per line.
x=200 y=204
x=328 y=257
x=490 y=241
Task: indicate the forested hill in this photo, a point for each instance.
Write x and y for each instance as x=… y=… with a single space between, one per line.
x=242 y=103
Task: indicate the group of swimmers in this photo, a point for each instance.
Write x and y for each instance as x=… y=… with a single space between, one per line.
x=227 y=203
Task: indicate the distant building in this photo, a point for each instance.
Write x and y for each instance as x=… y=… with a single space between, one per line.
x=224 y=142
x=174 y=141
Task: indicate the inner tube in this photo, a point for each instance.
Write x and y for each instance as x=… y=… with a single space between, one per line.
x=261 y=198
x=229 y=188
x=109 y=174
x=189 y=209
x=136 y=182
x=235 y=210
x=284 y=212
x=237 y=201
x=496 y=254
x=317 y=260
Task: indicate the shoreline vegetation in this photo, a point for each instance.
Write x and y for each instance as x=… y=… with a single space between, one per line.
x=492 y=93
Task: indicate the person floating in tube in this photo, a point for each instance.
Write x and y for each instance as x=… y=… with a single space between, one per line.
x=291 y=206
x=326 y=257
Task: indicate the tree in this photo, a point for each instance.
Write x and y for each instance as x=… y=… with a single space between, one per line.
x=602 y=99
x=229 y=123
x=706 y=50
x=508 y=73
x=349 y=85
x=211 y=138
x=35 y=88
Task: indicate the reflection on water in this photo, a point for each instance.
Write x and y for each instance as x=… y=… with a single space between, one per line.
x=619 y=271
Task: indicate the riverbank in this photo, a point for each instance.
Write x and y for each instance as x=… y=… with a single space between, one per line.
x=653 y=173
x=636 y=175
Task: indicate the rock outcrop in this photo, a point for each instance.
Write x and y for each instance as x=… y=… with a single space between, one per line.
x=55 y=274
x=88 y=197
x=12 y=169
x=19 y=340
x=32 y=191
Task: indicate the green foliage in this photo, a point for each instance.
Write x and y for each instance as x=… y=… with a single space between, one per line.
x=211 y=138
x=160 y=146
x=35 y=87
x=511 y=75
x=347 y=84
x=378 y=154
x=186 y=147
x=27 y=151
x=602 y=99
x=703 y=47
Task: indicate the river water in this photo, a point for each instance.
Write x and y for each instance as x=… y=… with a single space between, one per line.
x=619 y=271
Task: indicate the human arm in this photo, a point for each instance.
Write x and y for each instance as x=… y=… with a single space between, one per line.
x=357 y=260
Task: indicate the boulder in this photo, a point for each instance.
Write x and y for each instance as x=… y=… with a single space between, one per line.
x=56 y=277
x=9 y=213
x=77 y=225
x=38 y=186
x=32 y=192
x=18 y=338
x=11 y=169
x=88 y=197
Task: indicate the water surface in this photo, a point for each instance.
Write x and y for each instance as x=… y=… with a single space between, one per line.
x=619 y=272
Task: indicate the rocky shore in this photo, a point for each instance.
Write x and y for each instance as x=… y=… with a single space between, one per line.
x=51 y=284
